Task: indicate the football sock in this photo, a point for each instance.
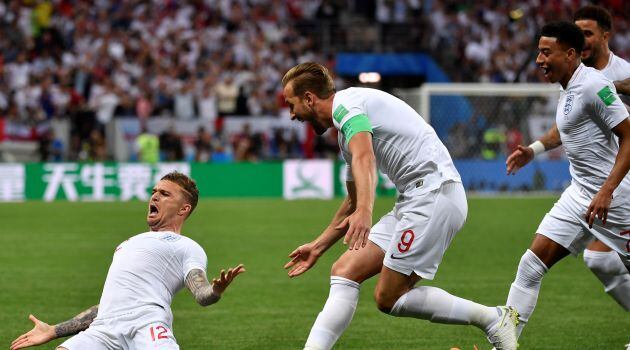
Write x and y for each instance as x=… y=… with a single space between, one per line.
x=524 y=291
x=611 y=271
x=436 y=305
x=336 y=315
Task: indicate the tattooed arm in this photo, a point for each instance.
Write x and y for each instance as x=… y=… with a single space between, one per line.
x=206 y=293
x=201 y=289
x=43 y=333
x=77 y=324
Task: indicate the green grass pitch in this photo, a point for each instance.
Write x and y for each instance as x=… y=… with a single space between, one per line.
x=55 y=257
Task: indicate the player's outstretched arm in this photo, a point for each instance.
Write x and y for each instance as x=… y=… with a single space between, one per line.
x=43 y=333
x=205 y=293
x=623 y=86
x=305 y=256
x=523 y=155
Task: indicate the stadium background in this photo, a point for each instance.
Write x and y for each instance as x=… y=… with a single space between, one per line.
x=80 y=82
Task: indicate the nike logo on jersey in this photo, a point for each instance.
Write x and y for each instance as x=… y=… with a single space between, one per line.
x=396 y=257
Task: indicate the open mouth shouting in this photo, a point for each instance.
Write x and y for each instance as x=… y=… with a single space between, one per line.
x=153 y=210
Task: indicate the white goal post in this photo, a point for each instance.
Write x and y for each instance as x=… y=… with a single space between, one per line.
x=481 y=89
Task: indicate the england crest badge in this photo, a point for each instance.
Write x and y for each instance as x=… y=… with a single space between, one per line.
x=568 y=105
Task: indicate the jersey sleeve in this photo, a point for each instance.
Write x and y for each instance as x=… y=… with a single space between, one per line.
x=350 y=118
x=194 y=258
x=606 y=103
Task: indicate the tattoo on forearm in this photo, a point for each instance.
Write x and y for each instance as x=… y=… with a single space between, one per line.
x=198 y=284
x=77 y=324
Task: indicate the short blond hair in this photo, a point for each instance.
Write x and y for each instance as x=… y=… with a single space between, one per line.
x=310 y=76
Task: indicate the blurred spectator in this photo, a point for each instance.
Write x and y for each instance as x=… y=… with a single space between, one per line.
x=91 y=61
x=227 y=95
x=144 y=106
x=514 y=137
x=203 y=146
x=326 y=146
x=221 y=151
x=245 y=145
x=171 y=146
x=207 y=102
x=184 y=102
x=457 y=143
x=148 y=147
x=50 y=147
x=493 y=140
x=104 y=100
x=97 y=149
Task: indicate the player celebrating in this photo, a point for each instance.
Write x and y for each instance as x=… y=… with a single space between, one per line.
x=408 y=243
x=596 y=24
x=146 y=271
x=595 y=205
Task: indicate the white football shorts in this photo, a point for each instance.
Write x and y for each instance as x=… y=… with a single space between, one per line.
x=137 y=330
x=566 y=224
x=417 y=232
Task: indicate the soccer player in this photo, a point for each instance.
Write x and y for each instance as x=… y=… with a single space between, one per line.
x=596 y=24
x=377 y=130
x=595 y=205
x=146 y=271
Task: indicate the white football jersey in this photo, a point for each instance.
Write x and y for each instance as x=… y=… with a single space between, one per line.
x=407 y=149
x=147 y=270
x=617 y=68
x=588 y=109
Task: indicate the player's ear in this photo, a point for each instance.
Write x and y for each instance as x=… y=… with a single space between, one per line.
x=185 y=209
x=571 y=54
x=308 y=96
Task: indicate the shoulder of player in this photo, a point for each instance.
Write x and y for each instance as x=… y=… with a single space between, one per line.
x=594 y=80
x=189 y=241
x=618 y=61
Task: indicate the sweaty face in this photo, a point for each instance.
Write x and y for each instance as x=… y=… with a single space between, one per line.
x=553 y=59
x=594 y=40
x=301 y=111
x=165 y=204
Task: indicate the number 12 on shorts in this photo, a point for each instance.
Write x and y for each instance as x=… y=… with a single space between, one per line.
x=405 y=241
x=160 y=331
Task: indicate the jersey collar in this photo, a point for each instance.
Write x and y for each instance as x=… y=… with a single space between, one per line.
x=610 y=59
x=575 y=75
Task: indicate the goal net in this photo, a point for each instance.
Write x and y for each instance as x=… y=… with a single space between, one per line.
x=481 y=124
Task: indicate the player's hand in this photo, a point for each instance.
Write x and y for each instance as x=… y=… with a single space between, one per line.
x=599 y=207
x=40 y=334
x=359 y=224
x=220 y=284
x=302 y=259
x=518 y=159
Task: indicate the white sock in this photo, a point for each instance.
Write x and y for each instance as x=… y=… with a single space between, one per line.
x=524 y=291
x=336 y=315
x=611 y=271
x=436 y=305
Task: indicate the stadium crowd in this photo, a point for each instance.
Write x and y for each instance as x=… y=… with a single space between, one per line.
x=89 y=62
